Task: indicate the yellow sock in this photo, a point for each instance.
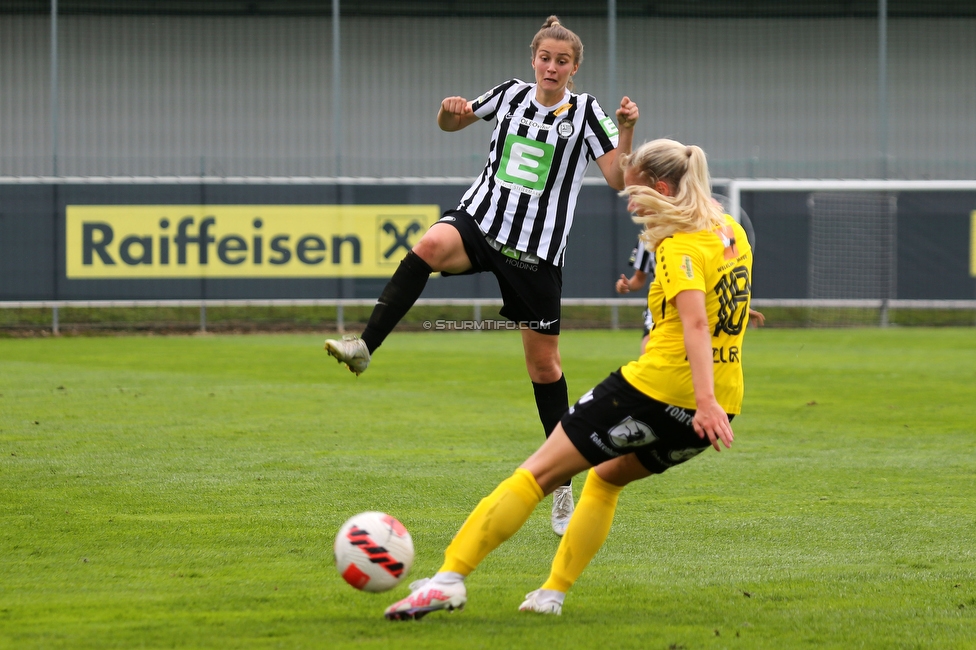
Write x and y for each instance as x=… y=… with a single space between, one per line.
x=586 y=533
x=495 y=519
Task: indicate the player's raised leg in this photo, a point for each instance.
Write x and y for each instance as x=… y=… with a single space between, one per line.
x=440 y=249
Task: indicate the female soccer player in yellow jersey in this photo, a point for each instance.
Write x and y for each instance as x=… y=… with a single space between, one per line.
x=651 y=414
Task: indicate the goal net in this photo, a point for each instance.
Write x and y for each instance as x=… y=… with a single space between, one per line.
x=846 y=252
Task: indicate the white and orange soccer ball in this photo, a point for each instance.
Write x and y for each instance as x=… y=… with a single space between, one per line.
x=373 y=551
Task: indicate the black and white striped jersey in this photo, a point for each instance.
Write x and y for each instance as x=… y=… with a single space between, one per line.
x=526 y=194
x=643 y=260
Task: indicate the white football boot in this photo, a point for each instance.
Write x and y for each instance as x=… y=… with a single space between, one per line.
x=428 y=596
x=562 y=508
x=543 y=601
x=350 y=350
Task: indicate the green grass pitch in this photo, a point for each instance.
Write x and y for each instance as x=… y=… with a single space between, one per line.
x=185 y=491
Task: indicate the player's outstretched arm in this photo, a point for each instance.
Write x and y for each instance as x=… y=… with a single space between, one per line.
x=710 y=420
x=609 y=162
x=455 y=114
x=626 y=285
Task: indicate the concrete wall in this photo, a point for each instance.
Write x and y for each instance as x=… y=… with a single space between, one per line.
x=229 y=96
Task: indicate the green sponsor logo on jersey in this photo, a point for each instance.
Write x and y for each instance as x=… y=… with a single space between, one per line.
x=508 y=251
x=526 y=162
x=608 y=126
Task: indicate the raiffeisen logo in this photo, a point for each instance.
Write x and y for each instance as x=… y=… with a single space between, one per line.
x=241 y=241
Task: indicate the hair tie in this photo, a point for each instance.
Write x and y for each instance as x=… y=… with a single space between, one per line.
x=688 y=151
x=554 y=23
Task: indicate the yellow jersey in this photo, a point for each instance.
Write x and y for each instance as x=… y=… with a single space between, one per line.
x=719 y=263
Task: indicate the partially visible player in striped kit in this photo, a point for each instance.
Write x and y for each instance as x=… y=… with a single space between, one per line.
x=643 y=263
x=515 y=218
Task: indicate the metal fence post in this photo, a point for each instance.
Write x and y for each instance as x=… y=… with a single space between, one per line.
x=336 y=90
x=612 y=52
x=54 y=87
x=883 y=88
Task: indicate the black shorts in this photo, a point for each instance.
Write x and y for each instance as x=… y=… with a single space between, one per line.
x=615 y=419
x=531 y=287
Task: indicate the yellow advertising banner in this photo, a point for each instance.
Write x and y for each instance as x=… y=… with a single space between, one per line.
x=241 y=241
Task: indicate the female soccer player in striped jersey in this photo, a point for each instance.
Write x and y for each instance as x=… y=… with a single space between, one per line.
x=650 y=415
x=515 y=218
x=642 y=261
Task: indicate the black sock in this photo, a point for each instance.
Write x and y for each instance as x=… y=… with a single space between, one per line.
x=552 y=401
x=398 y=296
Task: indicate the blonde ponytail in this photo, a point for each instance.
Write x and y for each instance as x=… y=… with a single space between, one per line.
x=685 y=171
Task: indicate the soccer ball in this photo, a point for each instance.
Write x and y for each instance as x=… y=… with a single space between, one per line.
x=373 y=551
